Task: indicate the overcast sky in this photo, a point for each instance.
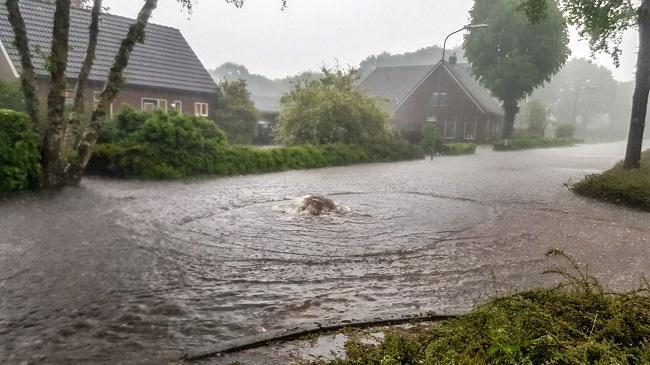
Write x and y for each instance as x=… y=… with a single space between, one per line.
x=310 y=33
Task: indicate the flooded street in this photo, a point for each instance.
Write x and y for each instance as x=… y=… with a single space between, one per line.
x=131 y=272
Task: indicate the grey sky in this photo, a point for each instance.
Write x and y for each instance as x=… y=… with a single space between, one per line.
x=311 y=33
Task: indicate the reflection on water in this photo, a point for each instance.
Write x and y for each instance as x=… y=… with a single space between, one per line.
x=133 y=272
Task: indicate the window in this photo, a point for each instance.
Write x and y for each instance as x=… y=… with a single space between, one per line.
x=439 y=99
x=470 y=130
x=97 y=95
x=151 y=104
x=69 y=97
x=450 y=129
x=201 y=109
x=177 y=105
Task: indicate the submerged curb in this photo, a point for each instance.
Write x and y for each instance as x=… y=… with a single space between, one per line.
x=252 y=342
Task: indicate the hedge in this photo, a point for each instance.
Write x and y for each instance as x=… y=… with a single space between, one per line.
x=125 y=160
x=455 y=149
x=19 y=152
x=530 y=143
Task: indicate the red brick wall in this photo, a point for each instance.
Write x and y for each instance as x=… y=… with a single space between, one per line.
x=417 y=109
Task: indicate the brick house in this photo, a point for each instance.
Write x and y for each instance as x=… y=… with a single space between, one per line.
x=163 y=72
x=446 y=94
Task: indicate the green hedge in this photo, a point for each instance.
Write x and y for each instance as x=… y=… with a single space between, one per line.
x=19 y=152
x=619 y=186
x=139 y=161
x=455 y=149
x=530 y=143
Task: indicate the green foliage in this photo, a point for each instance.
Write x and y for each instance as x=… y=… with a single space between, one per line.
x=574 y=323
x=429 y=138
x=603 y=21
x=619 y=186
x=19 y=152
x=514 y=56
x=11 y=96
x=138 y=161
x=535 y=117
x=331 y=110
x=235 y=112
x=565 y=131
x=456 y=149
x=530 y=143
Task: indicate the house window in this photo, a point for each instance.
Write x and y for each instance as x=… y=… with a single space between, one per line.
x=201 y=109
x=450 y=129
x=69 y=97
x=470 y=130
x=439 y=99
x=151 y=104
x=177 y=105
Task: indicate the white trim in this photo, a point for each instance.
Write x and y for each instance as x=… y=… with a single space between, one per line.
x=455 y=127
x=396 y=108
x=156 y=106
x=199 y=112
x=466 y=91
x=6 y=56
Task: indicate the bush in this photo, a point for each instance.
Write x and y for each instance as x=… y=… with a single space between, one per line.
x=565 y=131
x=139 y=161
x=331 y=110
x=429 y=138
x=619 y=186
x=577 y=322
x=11 y=96
x=529 y=143
x=455 y=149
x=19 y=152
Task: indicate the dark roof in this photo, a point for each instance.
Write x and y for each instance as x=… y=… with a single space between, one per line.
x=164 y=60
x=397 y=83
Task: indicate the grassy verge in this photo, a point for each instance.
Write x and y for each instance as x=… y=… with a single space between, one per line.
x=456 y=149
x=530 y=143
x=575 y=323
x=125 y=160
x=630 y=188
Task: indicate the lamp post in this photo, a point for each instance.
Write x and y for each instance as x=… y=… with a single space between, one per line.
x=575 y=105
x=467 y=27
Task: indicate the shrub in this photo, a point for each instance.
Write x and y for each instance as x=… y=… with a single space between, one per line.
x=619 y=186
x=565 y=131
x=429 y=138
x=455 y=149
x=528 y=143
x=535 y=116
x=235 y=112
x=19 y=152
x=11 y=96
x=331 y=110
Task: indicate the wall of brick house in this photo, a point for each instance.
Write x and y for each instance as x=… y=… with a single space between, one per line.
x=133 y=95
x=6 y=72
x=460 y=110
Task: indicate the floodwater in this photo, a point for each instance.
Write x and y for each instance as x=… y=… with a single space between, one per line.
x=122 y=272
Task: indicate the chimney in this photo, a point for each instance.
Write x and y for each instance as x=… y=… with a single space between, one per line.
x=453 y=59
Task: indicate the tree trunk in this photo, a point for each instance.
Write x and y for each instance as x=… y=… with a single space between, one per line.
x=27 y=75
x=640 y=101
x=53 y=158
x=86 y=68
x=113 y=84
x=511 y=108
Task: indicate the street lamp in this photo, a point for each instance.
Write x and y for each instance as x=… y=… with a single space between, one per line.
x=575 y=105
x=468 y=27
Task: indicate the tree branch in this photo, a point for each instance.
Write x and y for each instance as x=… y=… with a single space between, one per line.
x=27 y=75
x=86 y=68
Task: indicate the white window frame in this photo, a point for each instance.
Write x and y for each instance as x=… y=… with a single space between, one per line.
x=453 y=136
x=159 y=103
x=178 y=106
x=69 y=97
x=436 y=99
x=201 y=109
x=96 y=97
x=473 y=135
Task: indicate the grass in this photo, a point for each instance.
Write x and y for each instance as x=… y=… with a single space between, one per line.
x=577 y=322
x=619 y=186
x=456 y=149
x=530 y=143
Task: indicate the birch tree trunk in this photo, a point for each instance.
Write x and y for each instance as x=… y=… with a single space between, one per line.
x=640 y=101
x=27 y=74
x=113 y=84
x=53 y=159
